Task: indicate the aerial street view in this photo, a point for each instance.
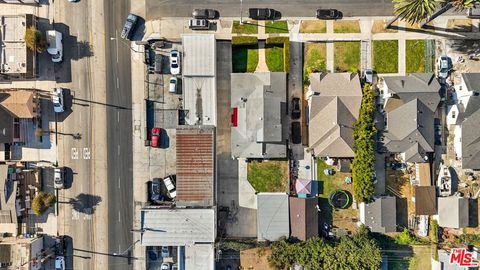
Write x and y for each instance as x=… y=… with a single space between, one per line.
x=239 y=134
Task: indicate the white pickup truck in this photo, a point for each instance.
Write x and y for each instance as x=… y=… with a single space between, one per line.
x=55 y=46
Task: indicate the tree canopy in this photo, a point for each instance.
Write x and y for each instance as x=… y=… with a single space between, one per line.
x=42 y=202
x=34 y=40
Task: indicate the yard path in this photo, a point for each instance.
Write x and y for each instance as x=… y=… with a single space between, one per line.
x=262 y=64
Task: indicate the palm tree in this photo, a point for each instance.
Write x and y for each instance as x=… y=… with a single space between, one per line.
x=415 y=11
x=461 y=5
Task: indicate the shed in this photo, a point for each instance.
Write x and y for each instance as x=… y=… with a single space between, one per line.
x=272 y=216
x=425 y=200
x=303 y=218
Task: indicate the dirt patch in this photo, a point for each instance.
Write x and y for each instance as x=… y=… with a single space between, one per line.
x=398 y=184
x=378 y=27
x=255 y=258
x=317 y=26
x=459 y=25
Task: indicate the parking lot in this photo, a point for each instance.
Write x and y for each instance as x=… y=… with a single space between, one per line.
x=155 y=259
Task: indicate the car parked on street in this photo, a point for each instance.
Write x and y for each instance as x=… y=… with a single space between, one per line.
x=129 y=26
x=204 y=13
x=155 y=137
x=263 y=14
x=174 y=62
x=58 y=101
x=169 y=184
x=444 y=65
x=199 y=24
x=328 y=14
x=295 y=108
x=58 y=179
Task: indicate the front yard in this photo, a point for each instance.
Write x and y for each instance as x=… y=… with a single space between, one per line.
x=385 y=56
x=420 y=57
x=244 y=58
x=347 y=56
x=315 y=58
x=245 y=28
x=345 y=26
x=276 y=27
x=317 y=26
x=268 y=176
x=274 y=58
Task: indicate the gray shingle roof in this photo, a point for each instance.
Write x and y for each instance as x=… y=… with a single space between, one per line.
x=471 y=141
x=380 y=215
x=6 y=124
x=272 y=216
x=453 y=212
x=472 y=81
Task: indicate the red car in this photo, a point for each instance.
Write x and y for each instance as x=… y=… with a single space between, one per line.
x=155 y=137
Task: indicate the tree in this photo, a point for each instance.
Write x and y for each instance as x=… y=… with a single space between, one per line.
x=414 y=11
x=42 y=202
x=34 y=40
x=461 y=5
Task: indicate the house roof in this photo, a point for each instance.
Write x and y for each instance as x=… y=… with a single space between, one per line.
x=303 y=218
x=425 y=200
x=453 y=212
x=20 y=103
x=260 y=102
x=334 y=110
x=200 y=256
x=199 y=55
x=380 y=215
x=471 y=142
x=272 y=216
x=422 y=86
x=472 y=81
x=195 y=165
x=177 y=227
x=6 y=126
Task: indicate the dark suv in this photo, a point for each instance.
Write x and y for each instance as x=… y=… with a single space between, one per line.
x=295 y=108
x=129 y=26
x=328 y=14
x=263 y=14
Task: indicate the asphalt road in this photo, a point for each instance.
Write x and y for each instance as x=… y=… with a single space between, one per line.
x=119 y=134
x=156 y=9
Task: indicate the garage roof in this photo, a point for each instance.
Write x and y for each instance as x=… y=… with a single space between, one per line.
x=199 y=54
x=272 y=216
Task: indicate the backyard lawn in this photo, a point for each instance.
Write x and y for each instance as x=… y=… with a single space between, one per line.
x=385 y=56
x=268 y=176
x=276 y=27
x=318 y=26
x=244 y=58
x=347 y=56
x=415 y=56
x=274 y=58
x=315 y=58
x=245 y=28
x=346 y=26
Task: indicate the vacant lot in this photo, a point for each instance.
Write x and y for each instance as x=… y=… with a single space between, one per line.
x=385 y=56
x=244 y=58
x=416 y=59
x=347 y=56
x=346 y=27
x=317 y=26
x=315 y=58
x=245 y=28
x=274 y=58
x=276 y=27
x=268 y=176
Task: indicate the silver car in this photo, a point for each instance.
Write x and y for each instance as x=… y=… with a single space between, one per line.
x=58 y=178
x=57 y=100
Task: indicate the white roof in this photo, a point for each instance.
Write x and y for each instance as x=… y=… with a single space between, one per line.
x=177 y=227
x=200 y=257
x=272 y=216
x=200 y=99
x=199 y=56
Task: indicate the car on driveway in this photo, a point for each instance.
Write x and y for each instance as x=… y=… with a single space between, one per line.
x=368 y=76
x=129 y=26
x=444 y=66
x=60 y=263
x=165 y=252
x=58 y=179
x=155 y=137
x=172 y=88
x=174 y=62
x=165 y=266
x=58 y=101
x=199 y=24
x=328 y=14
x=169 y=184
x=295 y=108
x=155 y=192
x=296 y=133
x=204 y=13
x=262 y=14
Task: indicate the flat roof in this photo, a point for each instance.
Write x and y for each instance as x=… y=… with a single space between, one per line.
x=200 y=100
x=177 y=227
x=199 y=55
x=200 y=257
x=13 y=49
x=272 y=216
x=195 y=165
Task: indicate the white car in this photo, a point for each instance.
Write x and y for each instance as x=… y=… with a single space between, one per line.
x=58 y=178
x=443 y=66
x=55 y=46
x=57 y=100
x=173 y=85
x=165 y=252
x=368 y=76
x=165 y=266
x=60 y=263
x=174 y=62
x=170 y=187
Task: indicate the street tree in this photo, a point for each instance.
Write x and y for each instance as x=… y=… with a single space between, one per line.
x=42 y=202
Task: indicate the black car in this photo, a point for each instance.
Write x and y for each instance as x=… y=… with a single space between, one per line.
x=262 y=14
x=129 y=26
x=328 y=14
x=204 y=14
x=295 y=108
x=155 y=192
x=296 y=133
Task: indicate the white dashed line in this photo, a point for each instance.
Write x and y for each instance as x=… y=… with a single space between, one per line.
x=118 y=152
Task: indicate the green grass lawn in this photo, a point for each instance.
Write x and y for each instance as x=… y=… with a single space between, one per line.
x=268 y=176
x=385 y=56
x=315 y=58
x=276 y=27
x=415 y=56
x=346 y=27
x=274 y=58
x=245 y=28
x=244 y=58
x=347 y=56
x=317 y=26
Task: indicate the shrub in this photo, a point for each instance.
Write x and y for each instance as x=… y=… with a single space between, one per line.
x=407 y=238
x=244 y=40
x=42 y=202
x=34 y=40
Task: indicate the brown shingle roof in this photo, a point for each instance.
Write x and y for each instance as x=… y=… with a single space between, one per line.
x=425 y=200
x=303 y=218
x=195 y=165
x=19 y=103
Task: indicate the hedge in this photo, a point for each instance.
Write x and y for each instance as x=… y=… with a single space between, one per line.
x=244 y=40
x=42 y=202
x=286 y=49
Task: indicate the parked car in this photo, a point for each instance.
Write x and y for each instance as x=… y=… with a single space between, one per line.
x=155 y=137
x=368 y=76
x=55 y=46
x=296 y=133
x=58 y=179
x=173 y=85
x=204 y=14
x=169 y=184
x=155 y=192
x=328 y=14
x=444 y=66
x=474 y=12
x=58 y=101
x=60 y=263
x=295 y=108
x=262 y=14
x=165 y=266
x=174 y=62
x=165 y=252
x=129 y=26
x=199 y=24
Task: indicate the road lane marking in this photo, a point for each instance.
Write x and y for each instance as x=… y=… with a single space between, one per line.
x=118 y=182
x=118 y=116
x=118 y=152
x=74 y=153
x=119 y=216
x=116 y=43
x=118 y=83
x=86 y=153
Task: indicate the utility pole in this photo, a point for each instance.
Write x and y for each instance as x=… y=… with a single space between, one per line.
x=241 y=11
